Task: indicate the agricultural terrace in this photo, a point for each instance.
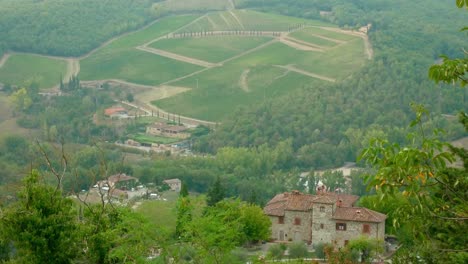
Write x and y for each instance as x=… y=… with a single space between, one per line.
x=23 y=69
x=121 y=60
x=204 y=67
x=305 y=54
x=210 y=48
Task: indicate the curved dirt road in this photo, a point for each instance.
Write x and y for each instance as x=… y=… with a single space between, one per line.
x=4 y=59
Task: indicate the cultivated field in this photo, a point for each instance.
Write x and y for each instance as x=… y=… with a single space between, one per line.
x=211 y=48
x=23 y=69
x=248 y=20
x=307 y=36
x=134 y=66
x=121 y=60
x=271 y=71
x=205 y=66
x=193 y=5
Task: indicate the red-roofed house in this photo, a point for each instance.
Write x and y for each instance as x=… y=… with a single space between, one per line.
x=325 y=217
x=118 y=112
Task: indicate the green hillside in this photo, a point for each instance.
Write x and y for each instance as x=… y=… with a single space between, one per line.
x=24 y=69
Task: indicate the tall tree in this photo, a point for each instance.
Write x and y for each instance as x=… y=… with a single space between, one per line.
x=41 y=225
x=216 y=192
x=184 y=212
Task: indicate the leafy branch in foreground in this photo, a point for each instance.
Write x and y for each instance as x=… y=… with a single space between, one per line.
x=435 y=190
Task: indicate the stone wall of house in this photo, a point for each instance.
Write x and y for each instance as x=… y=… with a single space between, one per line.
x=323 y=227
x=276 y=227
x=299 y=232
x=355 y=230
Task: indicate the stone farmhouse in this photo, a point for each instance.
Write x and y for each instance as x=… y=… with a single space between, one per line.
x=117 y=185
x=326 y=217
x=174 y=184
x=166 y=130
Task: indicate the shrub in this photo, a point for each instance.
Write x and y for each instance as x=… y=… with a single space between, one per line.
x=319 y=250
x=297 y=250
x=275 y=251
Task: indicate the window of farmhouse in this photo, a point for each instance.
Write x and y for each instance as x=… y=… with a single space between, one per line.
x=321 y=226
x=366 y=228
x=281 y=220
x=341 y=226
x=297 y=221
x=322 y=208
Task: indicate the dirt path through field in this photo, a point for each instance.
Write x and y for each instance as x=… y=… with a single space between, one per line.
x=305 y=43
x=225 y=20
x=367 y=45
x=310 y=74
x=178 y=57
x=173 y=32
x=160 y=92
x=243 y=80
x=212 y=23
x=231 y=2
x=298 y=46
x=237 y=19
x=114 y=82
x=4 y=59
x=73 y=68
x=150 y=108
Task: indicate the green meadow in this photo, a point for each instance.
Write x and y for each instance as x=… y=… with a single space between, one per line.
x=211 y=48
x=23 y=69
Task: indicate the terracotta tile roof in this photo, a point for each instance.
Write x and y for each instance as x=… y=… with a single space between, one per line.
x=296 y=201
x=171 y=181
x=120 y=177
x=358 y=214
x=114 y=110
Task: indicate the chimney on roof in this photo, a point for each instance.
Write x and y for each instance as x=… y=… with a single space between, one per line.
x=358 y=212
x=296 y=192
x=339 y=203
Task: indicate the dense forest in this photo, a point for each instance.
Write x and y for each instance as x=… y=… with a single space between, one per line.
x=68 y=28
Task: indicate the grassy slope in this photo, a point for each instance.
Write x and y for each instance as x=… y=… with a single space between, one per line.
x=163 y=213
x=120 y=59
x=21 y=69
x=213 y=49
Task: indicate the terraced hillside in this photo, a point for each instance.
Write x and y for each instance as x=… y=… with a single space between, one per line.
x=205 y=66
